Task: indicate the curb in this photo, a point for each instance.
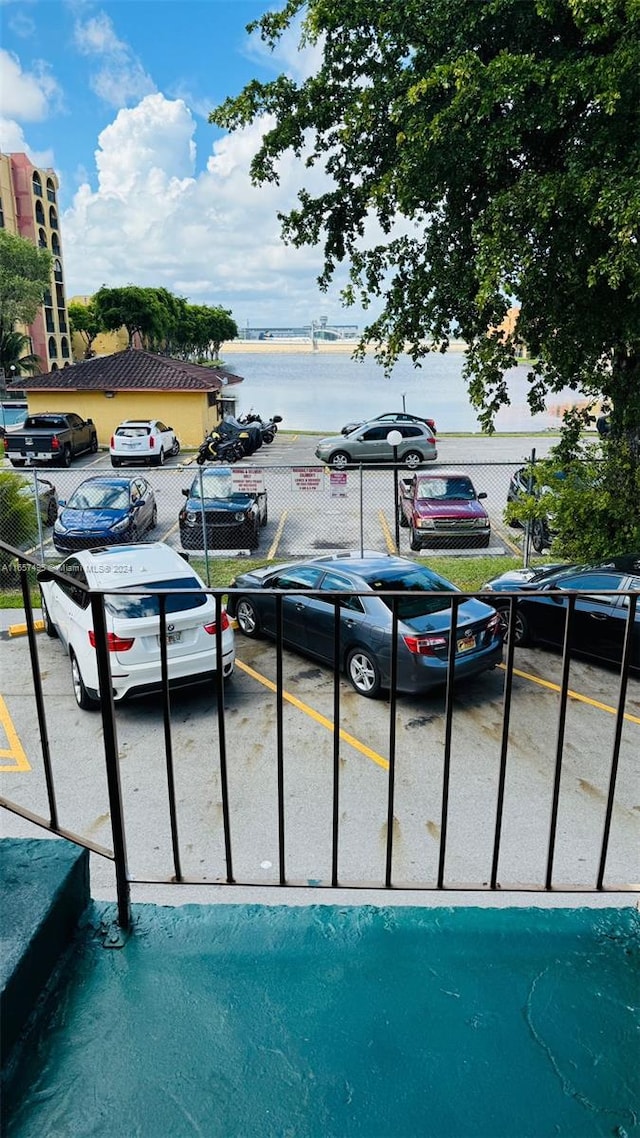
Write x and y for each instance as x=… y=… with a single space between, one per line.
x=21 y=629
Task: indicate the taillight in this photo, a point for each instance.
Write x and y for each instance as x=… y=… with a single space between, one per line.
x=113 y=442
x=425 y=645
x=114 y=643
x=55 y=443
x=494 y=625
x=152 y=441
x=224 y=623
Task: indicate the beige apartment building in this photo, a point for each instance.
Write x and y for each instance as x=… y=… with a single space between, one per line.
x=29 y=207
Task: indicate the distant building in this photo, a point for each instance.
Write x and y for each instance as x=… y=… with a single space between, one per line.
x=29 y=208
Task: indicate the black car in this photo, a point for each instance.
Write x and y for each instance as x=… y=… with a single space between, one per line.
x=522 y=484
x=232 y=517
x=423 y=612
x=390 y=417
x=600 y=617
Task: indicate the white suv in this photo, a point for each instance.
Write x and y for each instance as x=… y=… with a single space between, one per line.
x=133 y=621
x=143 y=440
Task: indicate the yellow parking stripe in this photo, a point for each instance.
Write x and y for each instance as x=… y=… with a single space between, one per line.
x=276 y=541
x=573 y=694
x=389 y=540
x=321 y=719
x=15 y=750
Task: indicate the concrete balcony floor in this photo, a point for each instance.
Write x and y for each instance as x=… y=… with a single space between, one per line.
x=247 y=1020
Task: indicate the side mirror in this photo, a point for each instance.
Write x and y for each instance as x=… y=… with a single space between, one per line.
x=482 y=494
x=45 y=575
x=186 y=493
x=61 y=502
x=183 y=555
x=90 y=422
x=169 y=428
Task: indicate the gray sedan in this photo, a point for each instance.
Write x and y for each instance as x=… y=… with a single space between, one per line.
x=360 y=586
x=369 y=444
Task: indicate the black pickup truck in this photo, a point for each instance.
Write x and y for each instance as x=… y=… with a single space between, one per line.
x=50 y=436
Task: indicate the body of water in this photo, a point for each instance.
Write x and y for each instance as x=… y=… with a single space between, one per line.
x=318 y=391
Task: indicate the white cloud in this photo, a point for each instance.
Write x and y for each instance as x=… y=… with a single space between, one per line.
x=212 y=237
x=27 y=96
x=13 y=141
x=121 y=78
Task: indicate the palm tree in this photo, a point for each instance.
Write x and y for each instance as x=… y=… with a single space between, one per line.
x=15 y=358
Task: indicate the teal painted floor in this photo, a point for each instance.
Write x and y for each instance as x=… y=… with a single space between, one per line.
x=256 y=1021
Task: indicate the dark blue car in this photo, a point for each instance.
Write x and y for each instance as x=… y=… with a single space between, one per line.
x=105 y=511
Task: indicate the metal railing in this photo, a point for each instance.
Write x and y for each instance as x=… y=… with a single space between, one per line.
x=118 y=853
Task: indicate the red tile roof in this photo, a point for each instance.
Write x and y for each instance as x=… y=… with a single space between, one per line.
x=131 y=370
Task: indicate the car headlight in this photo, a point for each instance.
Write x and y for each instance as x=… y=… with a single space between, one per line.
x=190 y=517
x=487 y=588
x=120 y=525
x=482 y=523
x=59 y=527
x=425 y=523
x=239 y=516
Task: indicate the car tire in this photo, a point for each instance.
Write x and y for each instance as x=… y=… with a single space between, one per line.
x=522 y=630
x=85 y=701
x=538 y=535
x=412 y=459
x=66 y=457
x=175 y=449
x=52 y=513
x=403 y=521
x=154 y=518
x=414 y=541
x=268 y=438
x=49 y=627
x=159 y=461
x=248 y=618
x=133 y=534
x=265 y=517
x=94 y=444
x=116 y=461
x=363 y=673
x=339 y=459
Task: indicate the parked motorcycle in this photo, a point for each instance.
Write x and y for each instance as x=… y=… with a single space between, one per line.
x=268 y=427
x=215 y=448
x=249 y=433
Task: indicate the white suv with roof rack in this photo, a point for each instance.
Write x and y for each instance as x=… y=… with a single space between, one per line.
x=143 y=440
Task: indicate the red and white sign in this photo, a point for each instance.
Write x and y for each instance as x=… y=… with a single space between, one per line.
x=307 y=478
x=338 y=483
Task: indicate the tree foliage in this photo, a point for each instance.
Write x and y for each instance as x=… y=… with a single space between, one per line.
x=25 y=276
x=18 y=518
x=85 y=320
x=16 y=357
x=477 y=154
x=164 y=322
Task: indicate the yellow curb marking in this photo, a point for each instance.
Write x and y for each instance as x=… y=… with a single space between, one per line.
x=390 y=543
x=15 y=751
x=573 y=695
x=321 y=719
x=21 y=629
x=276 y=541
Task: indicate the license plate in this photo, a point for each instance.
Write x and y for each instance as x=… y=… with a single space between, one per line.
x=172 y=638
x=29 y=442
x=466 y=643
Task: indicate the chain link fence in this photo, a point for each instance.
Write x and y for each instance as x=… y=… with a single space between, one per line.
x=294 y=511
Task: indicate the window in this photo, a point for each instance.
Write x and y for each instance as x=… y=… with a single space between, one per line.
x=52 y=348
x=73 y=568
x=146 y=605
x=425 y=591
x=40 y=214
x=303 y=578
x=161 y=426
x=375 y=433
x=411 y=431
x=332 y=583
x=74 y=421
x=42 y=239
x=53 y=218
x=57 y=269
x=64 y=347
x=592 y=582
x=55 y=243
x=51 y=190
x=1 y=215
x=36 y=183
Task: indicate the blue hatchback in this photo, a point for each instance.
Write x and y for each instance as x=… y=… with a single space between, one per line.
x=105 y=511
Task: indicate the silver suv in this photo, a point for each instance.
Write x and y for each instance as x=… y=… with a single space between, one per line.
x=369 y=444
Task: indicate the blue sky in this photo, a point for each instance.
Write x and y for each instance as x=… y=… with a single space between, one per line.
x=115 y=96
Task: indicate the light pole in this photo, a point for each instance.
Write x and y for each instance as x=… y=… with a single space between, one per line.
x=404 y=395
x=394 y=438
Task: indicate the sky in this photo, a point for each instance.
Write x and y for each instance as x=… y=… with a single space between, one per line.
x=115 y=96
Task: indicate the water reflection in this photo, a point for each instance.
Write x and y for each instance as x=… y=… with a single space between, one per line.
x=318 y=391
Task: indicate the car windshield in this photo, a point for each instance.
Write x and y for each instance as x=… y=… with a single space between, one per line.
x=147 y=605
x=99 y=495
x=425 y=592
x=445 y=488
x=215 y=484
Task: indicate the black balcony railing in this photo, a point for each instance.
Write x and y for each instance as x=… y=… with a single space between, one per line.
x=219 y=730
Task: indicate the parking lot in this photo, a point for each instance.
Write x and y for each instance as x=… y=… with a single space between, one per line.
x=251 y=737
x=311 y=510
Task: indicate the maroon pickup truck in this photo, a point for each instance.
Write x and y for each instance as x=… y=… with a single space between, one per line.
x=443 y=508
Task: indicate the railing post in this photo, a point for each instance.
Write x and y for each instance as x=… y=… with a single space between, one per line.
x=112 y=762
x=526 y=549
x=204 y=527
x=39 y=519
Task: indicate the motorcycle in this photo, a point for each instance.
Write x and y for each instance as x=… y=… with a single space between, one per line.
x=215 y=448
x=249 y=433
x=268 y=427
